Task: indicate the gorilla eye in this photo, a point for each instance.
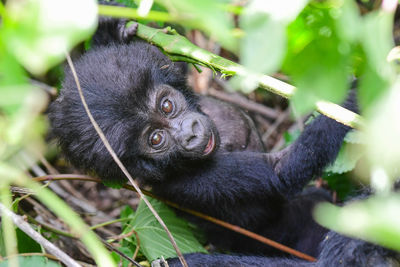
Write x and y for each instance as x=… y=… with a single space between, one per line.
x=167 y=107
x=157 y=139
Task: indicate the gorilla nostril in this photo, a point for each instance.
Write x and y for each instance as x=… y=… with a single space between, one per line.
x=196 y=127
x=190 y=137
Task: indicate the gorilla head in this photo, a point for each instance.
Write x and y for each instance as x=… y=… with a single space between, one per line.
x=141 y=102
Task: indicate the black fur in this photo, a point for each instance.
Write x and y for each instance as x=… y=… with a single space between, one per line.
x=244 y=186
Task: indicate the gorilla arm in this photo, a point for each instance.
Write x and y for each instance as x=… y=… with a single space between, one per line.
x=243 y=175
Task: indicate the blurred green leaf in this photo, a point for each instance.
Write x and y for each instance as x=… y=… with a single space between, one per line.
x=354 y=137
x=39 y=32
x=12 y=97
x=11 y=73
x=12 y=81
x=348 y=21
x=264 y=22
x=36 y=261
x=3 y=252
x=346 y=160
x=349 y=153
x=376 y=42
x=207 y=15
x=154 y=242
x=376 y=219
x=383 y=131
x=318 y=60
x=263 y=46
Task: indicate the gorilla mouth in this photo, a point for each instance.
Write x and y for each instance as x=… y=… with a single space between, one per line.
x=210 y=145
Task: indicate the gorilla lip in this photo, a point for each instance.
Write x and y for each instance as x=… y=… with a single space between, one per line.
x=210 y=145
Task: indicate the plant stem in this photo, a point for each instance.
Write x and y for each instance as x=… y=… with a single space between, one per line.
x=178 y=47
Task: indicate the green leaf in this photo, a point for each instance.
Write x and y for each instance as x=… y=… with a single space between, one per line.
x=354 y=137
x=114 y=183
x=12 y=97
x=264 y=23
x=12 y=81
x=383 y=131
x=378 y=73
x=319 y=61
x=207 y=15
x=154 y=242
x=291 y=137
x=11 y=73
x=346 y=160
x=376 y=219
x=263 y=46
x=37 y=261
x=342 y=184
x=348 y=21
x=256 y=46
x=26 y=244
x=39 y=32
x=3 y=251
x=127 y=212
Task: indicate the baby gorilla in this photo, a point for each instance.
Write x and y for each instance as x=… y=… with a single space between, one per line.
x=140 y=100
x=205 y=155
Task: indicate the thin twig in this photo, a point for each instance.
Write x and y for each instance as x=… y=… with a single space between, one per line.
x=242 y=102
x=119 y=163
x=232 y=227
x=281 y=118
x=84 y=205
x=110 y=247
x=50 y=90
x=94 y=227
x=48 y=227
x=27 y=229
x=132 y=232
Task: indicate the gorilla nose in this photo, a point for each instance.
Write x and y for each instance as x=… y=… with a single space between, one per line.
x=192 y=133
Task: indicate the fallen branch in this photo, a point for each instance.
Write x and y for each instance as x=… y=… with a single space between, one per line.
x=27 y=229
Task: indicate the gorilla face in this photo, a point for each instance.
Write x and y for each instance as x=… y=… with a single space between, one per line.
x=173 y=127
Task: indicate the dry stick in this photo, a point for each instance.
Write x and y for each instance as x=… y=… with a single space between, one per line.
x=119 y=163
x=283 y=116
x=27 y=229
x=131 y=261
x=232 y=227
x=244 y=103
